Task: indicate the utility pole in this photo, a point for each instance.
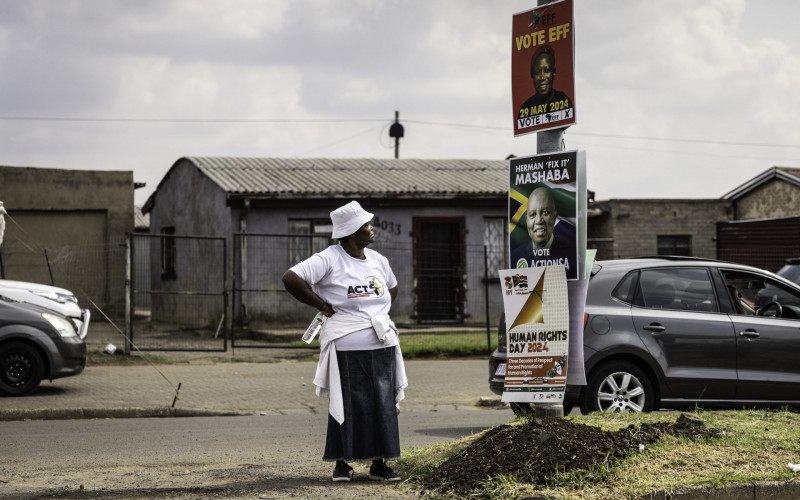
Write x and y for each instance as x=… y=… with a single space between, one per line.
x=549 y=141
x=396 y=132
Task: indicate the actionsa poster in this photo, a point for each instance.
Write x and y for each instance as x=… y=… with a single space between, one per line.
x=543 y=211
x=537 y=337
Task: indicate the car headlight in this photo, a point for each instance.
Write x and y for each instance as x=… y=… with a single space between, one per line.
x=47 y=295
x=62 y=326
x=67 y=298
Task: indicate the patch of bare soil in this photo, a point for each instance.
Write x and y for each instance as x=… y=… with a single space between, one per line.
x=535 y=451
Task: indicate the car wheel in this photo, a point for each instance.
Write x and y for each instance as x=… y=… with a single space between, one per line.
x=618 y=386
x=21 y=369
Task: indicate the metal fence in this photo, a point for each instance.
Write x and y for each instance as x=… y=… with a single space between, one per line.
x=178 y=293
x=454 y=304
x=94 y=272
x=175 y=292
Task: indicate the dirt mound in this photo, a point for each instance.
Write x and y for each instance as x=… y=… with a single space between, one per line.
x=536 y=450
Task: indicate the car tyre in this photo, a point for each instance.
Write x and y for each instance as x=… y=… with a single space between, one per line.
x=618 y=386
x=21 y=369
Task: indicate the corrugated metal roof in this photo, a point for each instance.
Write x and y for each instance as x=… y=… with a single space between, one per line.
x=787 y=174
x=140 y=220
x=293 y=177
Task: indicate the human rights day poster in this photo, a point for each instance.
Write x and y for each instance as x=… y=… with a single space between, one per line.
x=543 y=68
x=536 y=304
x=543 y=211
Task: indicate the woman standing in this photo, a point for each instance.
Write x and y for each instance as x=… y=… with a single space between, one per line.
x=360 y=365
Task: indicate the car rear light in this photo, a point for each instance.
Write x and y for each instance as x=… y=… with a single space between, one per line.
x=501 y=334
x=585 y=319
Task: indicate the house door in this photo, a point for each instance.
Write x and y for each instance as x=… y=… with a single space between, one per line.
x=439 y=267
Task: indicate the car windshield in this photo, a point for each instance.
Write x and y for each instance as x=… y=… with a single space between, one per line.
x=791 y=273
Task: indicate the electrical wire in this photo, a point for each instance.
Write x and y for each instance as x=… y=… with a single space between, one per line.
x=380 y=120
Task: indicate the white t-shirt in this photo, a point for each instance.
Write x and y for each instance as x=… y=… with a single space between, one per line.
x=353 y=287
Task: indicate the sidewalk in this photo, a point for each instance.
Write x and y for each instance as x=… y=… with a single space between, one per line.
x=215 y=384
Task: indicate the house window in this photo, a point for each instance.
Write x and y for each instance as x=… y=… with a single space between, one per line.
x=313 y=235
x=168 y=253
x=495 y=239
x=680 y=244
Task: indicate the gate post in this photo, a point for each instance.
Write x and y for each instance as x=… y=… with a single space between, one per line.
x=129 y=299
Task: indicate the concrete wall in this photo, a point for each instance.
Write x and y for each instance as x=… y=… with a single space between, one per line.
x=80 y=217
x=190 y=203
x=393 y=238
x=771 y=200
x=634 y=225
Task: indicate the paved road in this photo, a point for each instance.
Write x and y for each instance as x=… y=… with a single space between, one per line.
x=212 y=387
x=273 y=456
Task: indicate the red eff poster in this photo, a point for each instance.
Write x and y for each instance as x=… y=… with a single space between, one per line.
x=542 y=68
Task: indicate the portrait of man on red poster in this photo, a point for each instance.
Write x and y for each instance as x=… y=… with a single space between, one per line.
x=542 y=68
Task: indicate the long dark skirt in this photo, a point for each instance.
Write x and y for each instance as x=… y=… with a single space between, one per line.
x=369 y=430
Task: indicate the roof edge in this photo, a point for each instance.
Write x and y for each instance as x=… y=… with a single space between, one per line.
x=769 y=174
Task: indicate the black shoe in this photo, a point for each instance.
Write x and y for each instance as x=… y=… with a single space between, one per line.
x=342 y=472
x=382 y=472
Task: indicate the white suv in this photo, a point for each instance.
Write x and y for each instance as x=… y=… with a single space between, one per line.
x=50 y=297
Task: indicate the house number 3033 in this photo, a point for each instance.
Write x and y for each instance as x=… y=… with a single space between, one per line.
x=388 y=226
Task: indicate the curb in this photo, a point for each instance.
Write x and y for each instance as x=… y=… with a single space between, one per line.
x=760 y=490
x=84 y=413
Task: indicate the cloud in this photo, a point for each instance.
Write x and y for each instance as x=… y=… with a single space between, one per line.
x=724 y=70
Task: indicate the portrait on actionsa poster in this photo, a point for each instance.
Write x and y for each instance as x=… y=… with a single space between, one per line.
x=542 y=68
x=543 y=211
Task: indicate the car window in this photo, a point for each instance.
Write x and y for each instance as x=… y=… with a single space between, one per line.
x=752 y=292
x=679 y=289
x=626 y=288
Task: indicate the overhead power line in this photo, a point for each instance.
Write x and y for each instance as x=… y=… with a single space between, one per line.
x=621 y=136
x=182 y=120
x=377 y=120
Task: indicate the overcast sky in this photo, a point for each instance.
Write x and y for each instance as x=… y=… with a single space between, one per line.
x=674 y=99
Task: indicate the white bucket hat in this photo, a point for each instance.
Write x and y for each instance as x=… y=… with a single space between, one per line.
x=348 y=219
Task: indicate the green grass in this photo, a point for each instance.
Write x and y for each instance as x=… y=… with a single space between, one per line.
x=438 y=345
x=755 y=445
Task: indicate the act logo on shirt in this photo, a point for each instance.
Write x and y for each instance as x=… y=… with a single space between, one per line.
x=372 y=286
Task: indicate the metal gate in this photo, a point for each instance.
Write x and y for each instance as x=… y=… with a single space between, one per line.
x=264 y=314
x=178 y=293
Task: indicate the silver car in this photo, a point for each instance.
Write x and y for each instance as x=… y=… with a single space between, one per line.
x=677 y=333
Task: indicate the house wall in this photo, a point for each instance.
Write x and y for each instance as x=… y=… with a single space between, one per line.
x=394 y=239
x=599 y=235
x=773 y=199
x=80 y=217
x=194 y=206
x=634 y=225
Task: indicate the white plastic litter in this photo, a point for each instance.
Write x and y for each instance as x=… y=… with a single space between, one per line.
x=794 y=467
x=110 y=349
x=641 y=448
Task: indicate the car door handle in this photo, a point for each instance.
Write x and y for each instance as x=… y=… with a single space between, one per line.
x=750 y=334
x=654 y=327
